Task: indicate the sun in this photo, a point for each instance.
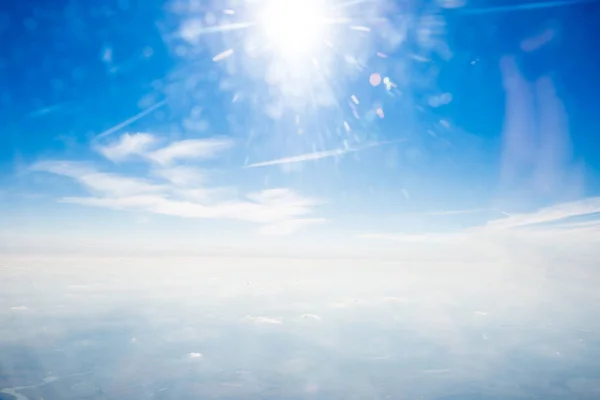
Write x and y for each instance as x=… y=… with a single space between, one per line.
x=293 y=29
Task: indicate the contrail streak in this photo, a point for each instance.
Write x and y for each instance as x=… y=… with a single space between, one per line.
x=526 y=6
x=194 y=32
x=131 y=120
x=316 y=155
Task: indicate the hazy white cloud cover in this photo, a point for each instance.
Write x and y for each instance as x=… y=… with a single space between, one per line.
x=176 y=190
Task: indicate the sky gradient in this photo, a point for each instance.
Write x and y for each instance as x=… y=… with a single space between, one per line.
x=193 y=126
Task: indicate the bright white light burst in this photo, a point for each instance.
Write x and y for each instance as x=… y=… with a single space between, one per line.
x=293 y=29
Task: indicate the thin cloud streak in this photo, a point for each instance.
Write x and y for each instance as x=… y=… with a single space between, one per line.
x=549 y=220
x=131 y=120
x=314 y=156
x=194 y=28
x=525 y=6
x=48 y=110
x=550 y=214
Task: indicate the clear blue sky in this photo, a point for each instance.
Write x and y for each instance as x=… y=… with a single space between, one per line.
x=163 y=124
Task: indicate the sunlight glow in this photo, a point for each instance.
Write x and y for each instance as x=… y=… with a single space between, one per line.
x=293 y=28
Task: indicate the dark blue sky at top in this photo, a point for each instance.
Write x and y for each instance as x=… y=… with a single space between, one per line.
x=56 y=92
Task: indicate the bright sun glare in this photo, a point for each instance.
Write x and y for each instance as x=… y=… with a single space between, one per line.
x=293 y=28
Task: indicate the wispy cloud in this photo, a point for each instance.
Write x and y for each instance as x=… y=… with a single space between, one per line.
x=180 y=175
x=47 y=110
x=314 y=156
x=278 y=214
x=99 y=183
x=549 y=220
x=178 y=191
x=549 y=214
x=199 y=149
x=144 y=145
x=129 y=144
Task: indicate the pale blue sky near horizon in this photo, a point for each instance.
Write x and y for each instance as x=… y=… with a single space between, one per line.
x=188 y=125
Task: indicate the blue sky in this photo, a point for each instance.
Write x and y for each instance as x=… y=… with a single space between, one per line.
x=193 y=125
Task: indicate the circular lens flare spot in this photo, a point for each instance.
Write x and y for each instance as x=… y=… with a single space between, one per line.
x=375 y=79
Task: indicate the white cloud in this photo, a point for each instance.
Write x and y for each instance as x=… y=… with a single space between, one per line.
x=144 y=145
x=195 y=356
x=160 y=204
x=199 y=149
x=66 y=168
x=313 y=156
x=128 y=145
x=181 y=176
x=117 y=185
x=179 y=191
x=206 y=195
x=283 y=210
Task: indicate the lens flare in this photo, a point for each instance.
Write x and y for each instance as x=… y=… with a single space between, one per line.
x=293 y=29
